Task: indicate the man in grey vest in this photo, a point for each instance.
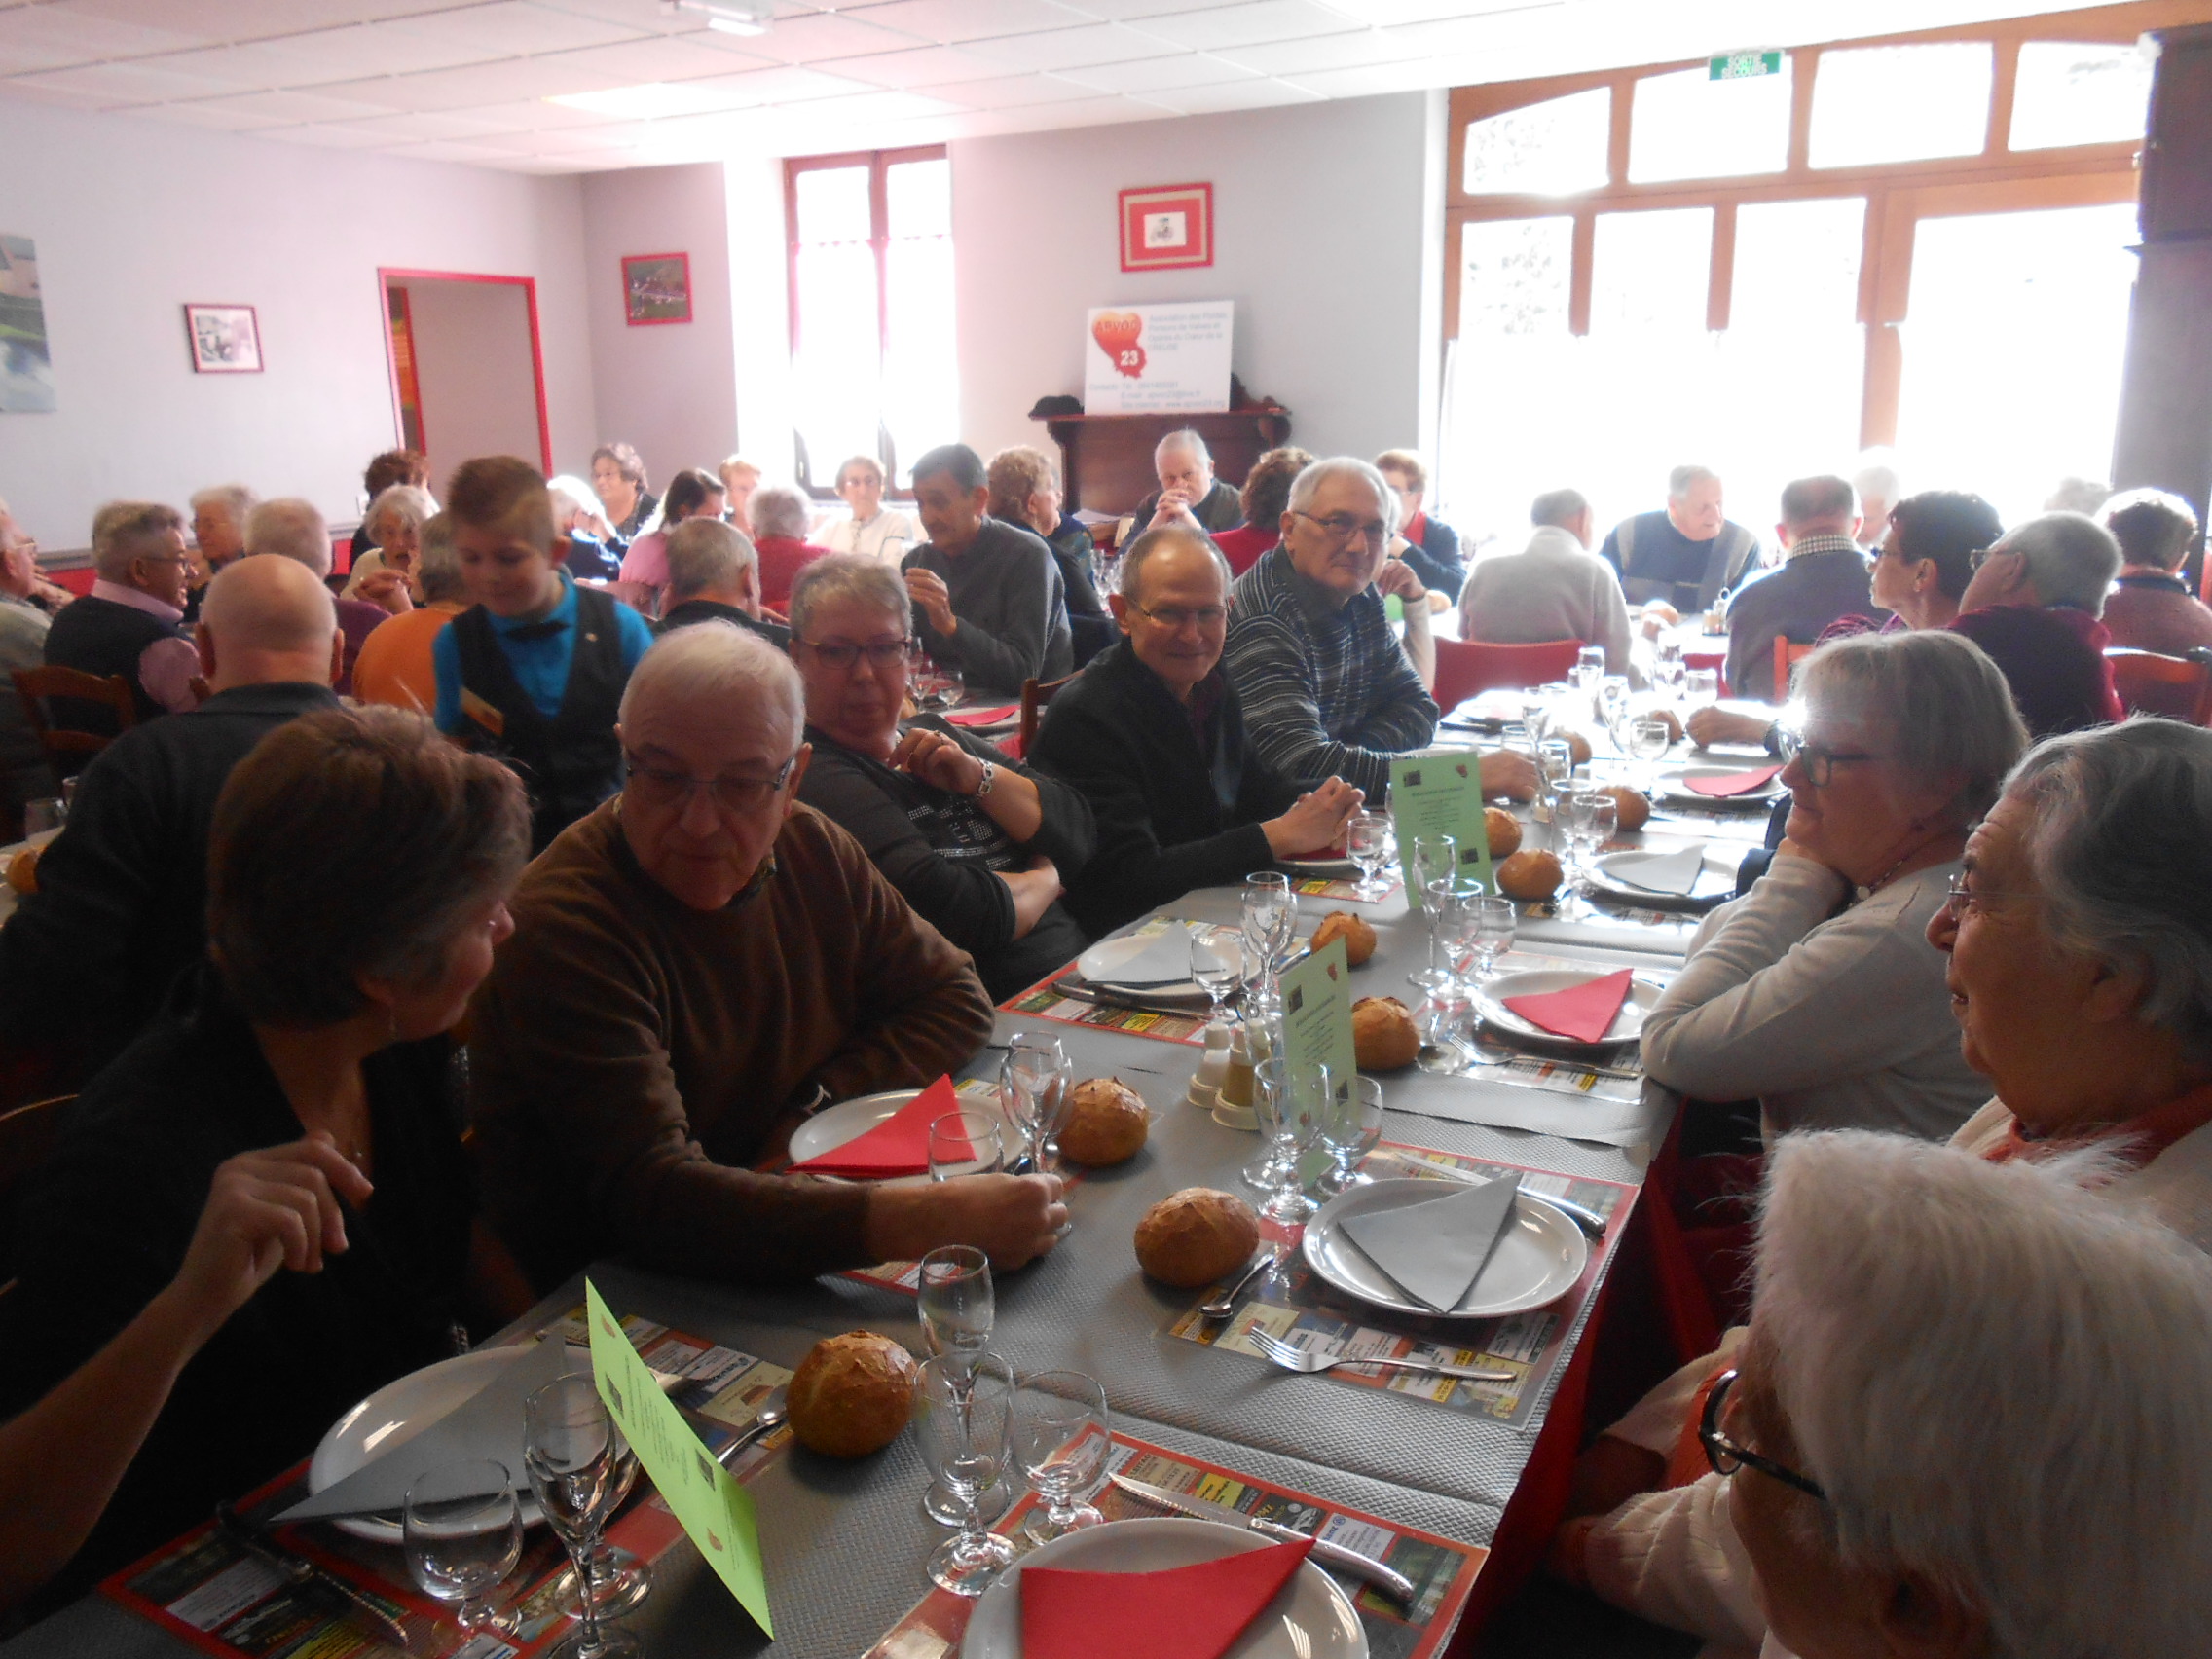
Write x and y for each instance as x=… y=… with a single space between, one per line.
x=1685 y=554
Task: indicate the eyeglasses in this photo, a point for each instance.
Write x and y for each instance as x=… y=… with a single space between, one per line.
x=880 y=653
x=1727 y=1454
x=1175 y=617
x=1960 y=894
x=1817 y=762
x=660 y=787
x=1343 y=527
x=1981 y=555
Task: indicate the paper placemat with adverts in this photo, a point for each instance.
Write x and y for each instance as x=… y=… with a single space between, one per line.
x=1068 y=999
x=1342 y=888
x=211 y=1593
x=1443 y=1572
x=1296 y=1305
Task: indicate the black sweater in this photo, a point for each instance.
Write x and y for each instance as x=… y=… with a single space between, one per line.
x=1173 y=814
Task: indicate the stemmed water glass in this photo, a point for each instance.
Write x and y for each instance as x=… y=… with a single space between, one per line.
x=1612 y=706
x=938 y=685
x=963 y=1411
x=463 y=1534
x=965 y=1142
x=1217 y=964
x=1436 y=858
x=1495 y=921
x=1271 y=920
x=1061 y=1433
x=1044 y=1089
x=576 y=1461
x=1591 y=820
x=1367 y=841
x=1293 y=1103
x=1555 y=774
x=958 y=1306
x=1648 y=739
x=1443 y=1010
x=1589 y=669
x=1700 y=685
x=1354 y=1126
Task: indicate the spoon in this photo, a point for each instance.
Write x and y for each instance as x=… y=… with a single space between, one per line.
x=1224 y=1305
x=771 y=1418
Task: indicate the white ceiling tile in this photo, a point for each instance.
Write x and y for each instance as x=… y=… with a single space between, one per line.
x=1074 y=49
x=256 y=66
x=1214 y=28
x=645 y=16
x=1124 y=10
x=671 y=58
x=825 y=36
x=64 y=96
x=373 y=49
x=784 y=85
x=444 y=150
x=419 y=128
x=503 y=81
x=248 y=19
x=1158 y=74
x=879 y=106
x=1086 y=112
x=51 y=37
x=658 y=101
x=301 y=106
x=1260 y=93
x=546 y=165
x=328 y=137
x=950 y=22
x=506 y=28
x=922 y=66
x=531 y=114
x=1323 y=52
x=1382 y=12
x=1012 y=92
x=118 y=85
x=1369 y=80
x=207 y=115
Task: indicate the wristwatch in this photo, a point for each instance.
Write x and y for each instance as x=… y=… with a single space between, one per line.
x=990 y=777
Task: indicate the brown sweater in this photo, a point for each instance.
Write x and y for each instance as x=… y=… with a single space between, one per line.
x=630 y=1053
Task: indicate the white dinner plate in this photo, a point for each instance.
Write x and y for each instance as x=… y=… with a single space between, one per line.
x=1310 y=1618
x=1674 y=786
x=1627 y=1025
x=1102 y=961
x=833 y=1125
x=394 y=1414
x=1716 y=881
x=1539 y=1256
x=1322 y=869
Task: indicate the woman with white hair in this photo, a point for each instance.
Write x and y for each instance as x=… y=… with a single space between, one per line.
x=872 y=529
x=390 y=573
x=1969 y=1420
x=595 y=551
x=780 y=517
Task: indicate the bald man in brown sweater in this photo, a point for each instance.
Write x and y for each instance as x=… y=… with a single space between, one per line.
x=691 y=963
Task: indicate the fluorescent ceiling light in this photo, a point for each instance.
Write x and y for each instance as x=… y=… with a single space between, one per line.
x=727 y=16
x=652 y=101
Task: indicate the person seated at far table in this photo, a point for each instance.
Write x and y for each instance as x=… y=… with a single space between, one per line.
x=1432 y=545
x=394 y=524
x=1184 y=466
x=978 y=844
x=294 y=529
x=397 y=664
x=989 y=598
x=1327 y=690
x=218 y=537
x=713 y=575
x=740 y=478
x=618 y=480
x=691 y=494
x=2149 y=607
x=1683 y=555
x=532 y=672
x=1264 y=498
x=870 y=528
x=2077 y=937
x=321 y=1014
x=393 y=466
x=595 y=551
x=1025 y=490
x=693 y=968
x=1907 y=1464
x=779 y=516
x=1824 y=574
x=24 y=775
x=122 y=901
x=1553 y=589
x=1152 y=735
x=2033 y=605
x=130 y=623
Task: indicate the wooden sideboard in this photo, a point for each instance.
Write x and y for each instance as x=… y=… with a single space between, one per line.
x=1106 y=460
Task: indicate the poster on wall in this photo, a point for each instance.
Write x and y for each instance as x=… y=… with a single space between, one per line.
x=1158 y=360
x=27 y=369
x=656 y=287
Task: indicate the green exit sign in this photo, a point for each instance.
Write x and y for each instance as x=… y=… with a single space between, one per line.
x=1744 y=65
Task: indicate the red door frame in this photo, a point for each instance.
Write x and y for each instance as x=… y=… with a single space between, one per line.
x=529 y=285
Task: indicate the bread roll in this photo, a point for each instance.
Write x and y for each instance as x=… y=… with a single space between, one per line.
x=851 y=1394
x=1358 y=936
x=1529 y=874
x=23 y=870
x=1634 y=805
x=1504 y=831
x=1107 y=1123
x=1195 y=1236
x=1382 y=1034
x=1577 y=744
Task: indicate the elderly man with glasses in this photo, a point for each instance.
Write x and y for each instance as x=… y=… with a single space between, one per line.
x=2034 y=604
x=130 y=624
x=697 y=965
x=1154 y=736
x=1327 y=688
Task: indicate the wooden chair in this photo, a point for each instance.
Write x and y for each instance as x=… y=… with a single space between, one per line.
x=1466 y=667
x=1788 y=655
x=1035 y=694
x=67 y=751
x=2176 y=687
x=25 y=1134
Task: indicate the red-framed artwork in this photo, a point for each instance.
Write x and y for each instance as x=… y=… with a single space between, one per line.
x=1166 y=227
x=225 y=340
x=656 y=288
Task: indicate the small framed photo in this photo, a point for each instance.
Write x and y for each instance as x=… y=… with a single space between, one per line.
x=1166 y=227
x=656 y=287
x=226 y=340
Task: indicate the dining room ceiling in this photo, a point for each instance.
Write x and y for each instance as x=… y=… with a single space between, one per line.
x=588 y=86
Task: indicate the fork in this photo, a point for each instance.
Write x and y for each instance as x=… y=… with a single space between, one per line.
x=1305 y=1362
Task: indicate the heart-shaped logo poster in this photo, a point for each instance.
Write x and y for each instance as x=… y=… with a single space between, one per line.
x=1116 y=334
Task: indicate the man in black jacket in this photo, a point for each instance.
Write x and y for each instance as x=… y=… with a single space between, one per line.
x=1152 y=734
x=122 y=897
x=713 y=575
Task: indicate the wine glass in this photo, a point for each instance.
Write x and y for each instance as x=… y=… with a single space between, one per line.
x=1667 y=668
x=963 y=1413
x=1495 y=920
x=1589 y=669
x=965 y=1142
x=575 y=1455
x=1701 y=685
x=1044 y=1077
x=1368 y=840
x=1435 y=858
x=958 y=1304
x=1217 y=964
x=1613 y=704
x=938 y=685
x=463 y=1534
x=1292 y=1104
x=1577 y=812
x=1019 y=1111
x=1648 y=739
x=1270 y=917
x=1554 y=771
x=1061 y=1433
x=1354 y=1124
x=1438 y=1019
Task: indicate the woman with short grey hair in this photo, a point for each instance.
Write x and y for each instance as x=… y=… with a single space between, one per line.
x=1815 y=992
x=394 y=525
x=780 y=517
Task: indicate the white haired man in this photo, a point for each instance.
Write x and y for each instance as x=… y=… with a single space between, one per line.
x=694 y=967
x=2034 y=604
x=1683 y=555
x=131 y=623
x=295 y=529
x=987 y=595
x=218 y=535
x=713 y=575
x=1184 y=466
x=1555 y=588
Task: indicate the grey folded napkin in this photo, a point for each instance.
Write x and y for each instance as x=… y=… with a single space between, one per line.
x=1673 y=872
x=1435 y=1250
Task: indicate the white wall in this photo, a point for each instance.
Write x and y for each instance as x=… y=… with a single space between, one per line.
x=132 y=219
x=472 y=366
x=1327 y=222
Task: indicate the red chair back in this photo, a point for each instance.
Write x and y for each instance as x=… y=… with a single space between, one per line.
x=2176 y=687
x=1465 y=668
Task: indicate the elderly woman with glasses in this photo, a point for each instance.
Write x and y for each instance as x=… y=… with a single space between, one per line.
x=391 y=573
x=977 y=844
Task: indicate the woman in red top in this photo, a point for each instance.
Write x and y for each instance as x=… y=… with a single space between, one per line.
x=1265 y=498
x=779 y=516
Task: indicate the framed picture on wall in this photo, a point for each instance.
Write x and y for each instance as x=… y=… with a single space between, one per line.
x=226 y=340
x=1166 y=227
x=656 y=287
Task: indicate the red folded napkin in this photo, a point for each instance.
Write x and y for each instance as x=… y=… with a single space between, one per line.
x=1584 y=1012
x=1334 y=850
x=984 y=717
x=1734 y=782
x=900 y=1145
x=1183 y=1612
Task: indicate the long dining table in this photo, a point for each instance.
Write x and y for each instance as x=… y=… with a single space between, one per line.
x=844 y=1543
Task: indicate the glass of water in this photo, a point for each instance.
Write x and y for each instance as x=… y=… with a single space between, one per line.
x=1701 y=685
x=1648 y=739
x=1062 y=1434
x=1495 y=920
x=1292 y=1105
x=1613 y=704
x=957 y=1302
x=1217 y=964
x=965 y=1142
x=1043 y=1084
x=1589 y=668
x=1369 y=843
x=1354 y=1124
x=963 y=1416
x=577 y=1465
x=463 y=1534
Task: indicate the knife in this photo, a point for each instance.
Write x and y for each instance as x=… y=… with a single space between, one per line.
x=1328 y=1554
x=304 y=1573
